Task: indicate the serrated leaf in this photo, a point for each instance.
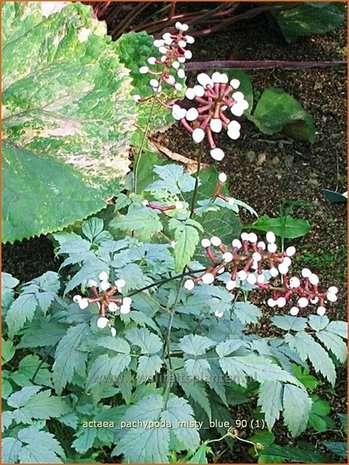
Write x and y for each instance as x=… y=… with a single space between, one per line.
x=338 y=327
x=41 y=406
x=105 y=368
x=10 y=450
x=148 y=366
x=148 y=342
x=8 y=283
x=200 y=454
x=178 y=411
x=39 y=447
x=116 y=344
x=333 y=343
x=186 y=239
x=196 y=391
x=338 y=448
x=197 y=368
x=246 y=312
x=8 y=350
x=20 y=398
x=68 y=358
x=289 y=323
x=173 y=179
x=294 y=454
x=309 y=349
x=84 y=440
x=192 y=344
x=21 y=310
x=318 y=322
x=270 y=401
x=142 y=221
x=296 y=409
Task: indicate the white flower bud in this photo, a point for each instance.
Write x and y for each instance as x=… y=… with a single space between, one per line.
x=77 y=298
x=273 y=272
x=290 y=251
x=178 y=86
x=113 y=332
x=83 y=303
x=286 y=261
x=271 y=302
x=182 y=43
x=306 y=273
x=217 y=154
x=204 y=80
x=102 y=322
x=272 y=248
x=151 y=60
x=105 y=285
x=167 y=38
x=261 y=245
x=192 y=114
x=120 y=283
x=198 y=135
x=176 y=64
x=281 y=302
x=144 y=69
x=283 y=268
x=222 y=177
x=314 y=300
x=127 y=301
x=181 y=59
x=185 y=27
x=257 y=256
x=178 y=113
x=294 y=282
x=227 y=257
x=235 y=83
x=238 y=96
x=216 y=125
x=236 y=243
x=158 y=43
x=189 y=284
x=189 y=93
x=294 y=311
x=189 y=39
x=181 y=73
x=333 y=290
x=205 y=243
x=145 y=202
x=178 y=26
x=125 y=309
x=137 y=98
x=216 y=241
x=242 y=275
x=252 y=237
x=154 y=83
x=170 y=80
x=260 y=278
x=163 y=49
x=199 y=90
x=188 y=55
x=112 y=307
x=218 y=313
x=331 y=297
x=303 y=302
x=230 y=285
x=251 y=279
x=237 y=109
x=270 y=236
x=179 y=205
x=321 y=311
x=245 y=236
x=103 y=276
x=208 y=278
x=314 y=279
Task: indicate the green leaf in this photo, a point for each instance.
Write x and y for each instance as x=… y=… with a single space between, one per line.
x=278 y=111
x=8 y=283
x=303 y=19
x=199 y=369
x=39 y=447
x=173 y=179
x=195 y=391
x=179 y=413
x=148 y=366
x=68 y=358
x=20 y=398
x=200 y=454
x=295 y=454
x=246 y=312
x=286 y=227
x=270 y=401
x=289 y=323
x=308 y=381
x=142 y=221
x=192 y=344
x=186 y=239
x=296 y=409
x=85 y=438
x=21 y=310
x=8 y=350
x=337 y=448
x=148 y=342
x=10 y=450
x=333 y=343
x=77 y=109
x=338 y=327
x=106 y=369
x=309 y=349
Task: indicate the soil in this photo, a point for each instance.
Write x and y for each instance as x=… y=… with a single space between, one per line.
x=265 y=171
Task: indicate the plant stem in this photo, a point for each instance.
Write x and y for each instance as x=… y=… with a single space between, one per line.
x=197 y=179
x=145 y=134
x=263 y=64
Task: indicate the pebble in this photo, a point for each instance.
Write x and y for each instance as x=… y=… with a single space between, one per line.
x=251 y=156
x=275 y=161
x=261 y=158
x=289 y=159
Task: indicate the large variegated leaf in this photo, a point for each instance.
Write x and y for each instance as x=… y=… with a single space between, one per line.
x=65 y=96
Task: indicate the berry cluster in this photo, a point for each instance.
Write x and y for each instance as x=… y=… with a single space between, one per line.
x=210 y=100
x=257 y=263
x=104 y=297
x=169 y=66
